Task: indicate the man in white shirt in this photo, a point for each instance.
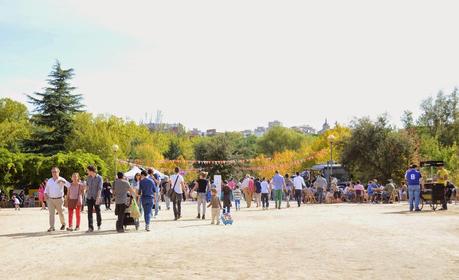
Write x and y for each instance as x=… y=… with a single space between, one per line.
x=299 y=184
x=54 y=195
x=178 y=183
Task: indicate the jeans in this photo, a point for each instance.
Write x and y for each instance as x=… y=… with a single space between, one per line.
x=237 y=203
x=168 y=202
x=92 y=205
x=157 y=205
x=202 y=199
x=147 y=204
x=265 y=200
x=177 y=205
x=119 y=211
x=107 y=201
x=298 y=196
x=414 y=196
x=278 y=198
x=226 y=209
x=320 y=195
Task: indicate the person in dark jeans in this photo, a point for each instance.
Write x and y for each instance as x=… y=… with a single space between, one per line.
x=178 y=185
x=93 y=197
x=147 y=191
x=107 y=192
x=120 y=189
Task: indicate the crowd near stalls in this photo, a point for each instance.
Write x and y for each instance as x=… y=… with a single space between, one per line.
x=141 y=195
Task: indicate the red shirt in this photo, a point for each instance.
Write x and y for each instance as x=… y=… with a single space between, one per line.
x=251 y=185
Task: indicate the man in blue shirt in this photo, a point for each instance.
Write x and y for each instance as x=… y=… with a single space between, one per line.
x=279 y=186
x=147 y=191
x=413 y=179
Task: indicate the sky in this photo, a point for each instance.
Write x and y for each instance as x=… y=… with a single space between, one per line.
x=235 y=65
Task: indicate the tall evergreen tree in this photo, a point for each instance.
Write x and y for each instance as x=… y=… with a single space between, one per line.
x=55 y=108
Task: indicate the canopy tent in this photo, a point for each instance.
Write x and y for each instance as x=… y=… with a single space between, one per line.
x=131 y=173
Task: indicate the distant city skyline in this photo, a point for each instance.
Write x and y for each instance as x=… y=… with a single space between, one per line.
x=235 y=65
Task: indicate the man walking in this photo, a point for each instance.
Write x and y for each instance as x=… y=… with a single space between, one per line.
x=120 y=189
x=413 y=178
x=246 y=190
x=299 y=184
x=279 y=187
x=156 y=180
x=107 y=193
x=147 y=192
x=94 y=184
x=265 y=189
x=178 y=185
x=54 y=195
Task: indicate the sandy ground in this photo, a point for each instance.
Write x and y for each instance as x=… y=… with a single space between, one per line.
x=341 y=241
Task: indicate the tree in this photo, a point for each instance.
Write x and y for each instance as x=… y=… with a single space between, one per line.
x=440 y=117
x=55 y=108
x=14 y=124
x=279 y=139
x=376 y=150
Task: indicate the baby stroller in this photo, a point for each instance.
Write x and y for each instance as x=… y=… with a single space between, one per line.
x=227 y=219
x=128 y=220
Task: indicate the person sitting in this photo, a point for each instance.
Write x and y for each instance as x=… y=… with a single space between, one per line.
x=349 y=192
x=388 y=191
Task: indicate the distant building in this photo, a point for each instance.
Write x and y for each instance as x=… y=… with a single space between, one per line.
x=325 y=127
x=211 y=132
x=260 y=131
x=305 y=129
x=196 y=132
x=274 y=124
x=247 y=132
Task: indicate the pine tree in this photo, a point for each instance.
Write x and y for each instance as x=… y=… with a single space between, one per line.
x=55 y=108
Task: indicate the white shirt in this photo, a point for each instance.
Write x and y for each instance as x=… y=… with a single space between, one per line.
x=298 y=182
x=178 y=185
x=55 y=190
x=264 y=187
x=245 y=183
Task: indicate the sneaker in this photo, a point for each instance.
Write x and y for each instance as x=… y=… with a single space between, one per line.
x=77 y=228
x=51 y=229
x=147 y=228
x=203 y=217
x=98 y=228
x=63 y=227
x=90 y=230
x=199 y=216
x=69 y=229
x=417 y=210
x=212 y=223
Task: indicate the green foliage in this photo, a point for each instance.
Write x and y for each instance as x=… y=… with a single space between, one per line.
x=440 y=117
x=376 y=150
x=14 y=124
x=55 y=109
x=19 y=170
x=279 y=139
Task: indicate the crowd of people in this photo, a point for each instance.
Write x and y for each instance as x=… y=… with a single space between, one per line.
x=148 y=191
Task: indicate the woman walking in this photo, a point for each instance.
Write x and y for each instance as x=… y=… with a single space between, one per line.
x=41 y=194
x=226 y=199
x=74 y=201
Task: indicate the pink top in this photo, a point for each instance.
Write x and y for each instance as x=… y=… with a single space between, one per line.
x=74 y=192
x=359 y=187
x=251 y=185
x=41 y=192
x=232 y=184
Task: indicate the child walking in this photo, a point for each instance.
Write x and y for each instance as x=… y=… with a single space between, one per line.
x=237 y=195
x=216 y=206
x=16 y=203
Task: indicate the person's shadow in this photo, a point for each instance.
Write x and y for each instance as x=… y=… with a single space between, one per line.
x=59 y=234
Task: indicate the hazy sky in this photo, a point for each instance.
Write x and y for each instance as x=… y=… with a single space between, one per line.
x=234 y=65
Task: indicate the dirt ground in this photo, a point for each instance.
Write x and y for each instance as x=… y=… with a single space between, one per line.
x=340 y=241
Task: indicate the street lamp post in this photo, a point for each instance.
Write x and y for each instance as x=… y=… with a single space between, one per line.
x=331 y=139
x=115 y=150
